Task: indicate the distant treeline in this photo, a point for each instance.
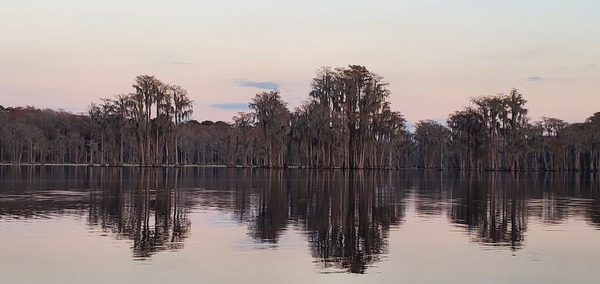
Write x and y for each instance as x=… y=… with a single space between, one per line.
x=346 y=122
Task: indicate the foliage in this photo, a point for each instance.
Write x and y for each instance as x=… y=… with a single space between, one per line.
x=345 y=122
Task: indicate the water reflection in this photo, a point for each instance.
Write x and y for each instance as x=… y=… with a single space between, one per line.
x=494 y=208
x=42 y=192
x=347 y=215
x=491 y=208
x=344 y=216
x=144 y=205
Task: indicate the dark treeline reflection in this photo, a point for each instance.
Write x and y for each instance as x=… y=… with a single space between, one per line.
x=144 y=205
x=494 y=207
x=41 y=192
x=344 y=215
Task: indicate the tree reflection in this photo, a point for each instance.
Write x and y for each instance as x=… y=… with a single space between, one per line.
x=33 y=192
x=270 y=215
x=492 y=208
x=349 y=221
x=431 y=193
x=144 y=205
x=346 y=215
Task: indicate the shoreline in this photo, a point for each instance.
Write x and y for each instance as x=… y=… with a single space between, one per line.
x=279 y=168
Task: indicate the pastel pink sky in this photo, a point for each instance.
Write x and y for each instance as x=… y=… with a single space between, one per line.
x=435 y=54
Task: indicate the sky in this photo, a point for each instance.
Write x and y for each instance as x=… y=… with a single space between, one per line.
x=435 y=55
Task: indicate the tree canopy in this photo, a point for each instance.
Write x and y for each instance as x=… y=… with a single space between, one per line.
x=346 y=121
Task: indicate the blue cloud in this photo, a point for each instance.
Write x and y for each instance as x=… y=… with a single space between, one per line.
x=534 y=79
x=258 y=84
x=231 y=106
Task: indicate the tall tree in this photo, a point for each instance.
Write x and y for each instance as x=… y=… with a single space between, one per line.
x=244 y=136
x=466 y=138
x=273 y=120
x=495 y=131
x=350 y=111
x=147 y=90
x=431 y=138
x=183 y=109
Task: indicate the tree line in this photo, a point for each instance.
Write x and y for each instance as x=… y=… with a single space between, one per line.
x=346 y=121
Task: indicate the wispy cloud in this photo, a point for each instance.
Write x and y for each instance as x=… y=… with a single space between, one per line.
x=258 y=84
x=534 y=79
x=180 y=63
x=231 y=106
x=513 y=55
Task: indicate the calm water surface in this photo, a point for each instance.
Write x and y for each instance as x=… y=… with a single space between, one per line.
x=218 y=225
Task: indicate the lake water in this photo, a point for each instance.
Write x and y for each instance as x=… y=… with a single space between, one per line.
x=227 y=225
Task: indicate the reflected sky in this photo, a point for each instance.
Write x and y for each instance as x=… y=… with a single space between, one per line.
x=225 y=225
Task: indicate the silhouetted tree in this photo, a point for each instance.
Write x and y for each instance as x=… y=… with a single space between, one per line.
x=273 y=121
x=431 y=138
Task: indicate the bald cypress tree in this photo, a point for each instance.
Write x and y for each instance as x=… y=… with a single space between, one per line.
x=273 y=121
